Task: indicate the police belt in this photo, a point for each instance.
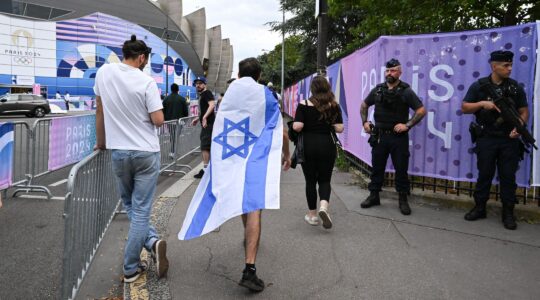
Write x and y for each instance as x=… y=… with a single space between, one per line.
x=387 y=131
x=495 y=133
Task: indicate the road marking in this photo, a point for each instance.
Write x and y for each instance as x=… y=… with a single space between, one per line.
x=59 y=182
x=40 y=197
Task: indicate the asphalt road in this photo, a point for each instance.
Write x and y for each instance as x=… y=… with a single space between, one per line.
x=32 y=237
x=32 y=227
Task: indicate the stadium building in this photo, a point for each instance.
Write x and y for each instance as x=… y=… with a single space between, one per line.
x=58 y=45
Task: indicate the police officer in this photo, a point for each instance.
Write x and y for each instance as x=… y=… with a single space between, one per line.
x=497 y=143
x=392 y=100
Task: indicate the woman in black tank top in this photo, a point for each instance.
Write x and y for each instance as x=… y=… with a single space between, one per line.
x=316 y=119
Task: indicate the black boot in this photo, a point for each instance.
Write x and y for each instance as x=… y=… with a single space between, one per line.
x=372 y=200
x=478 y=212
x=508 y=219
x=403 y=204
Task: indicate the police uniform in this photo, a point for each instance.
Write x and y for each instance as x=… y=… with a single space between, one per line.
x=494 y=147
x=391 y=108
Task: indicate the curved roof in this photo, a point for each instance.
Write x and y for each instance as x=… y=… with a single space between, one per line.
x=149 y=14
x=187 y=35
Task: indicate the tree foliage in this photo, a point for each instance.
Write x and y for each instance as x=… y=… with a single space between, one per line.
x=355 y=23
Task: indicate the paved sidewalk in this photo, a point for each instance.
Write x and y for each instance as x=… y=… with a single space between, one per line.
x=369 y=254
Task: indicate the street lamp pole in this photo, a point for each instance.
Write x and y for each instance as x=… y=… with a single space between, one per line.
x=282 y=53
x=322 y=36
x=167 y=56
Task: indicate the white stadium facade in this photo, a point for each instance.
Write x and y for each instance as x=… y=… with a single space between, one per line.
x=57 y=45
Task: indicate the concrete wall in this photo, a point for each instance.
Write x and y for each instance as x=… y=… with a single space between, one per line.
x=223 y=74
x=214 y=57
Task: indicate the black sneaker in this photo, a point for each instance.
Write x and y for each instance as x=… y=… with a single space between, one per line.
x=159 y=254
x=199 y=175
x=251 y=281
x=143 y=266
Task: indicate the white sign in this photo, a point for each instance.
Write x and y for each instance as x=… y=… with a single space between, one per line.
x=24 y=80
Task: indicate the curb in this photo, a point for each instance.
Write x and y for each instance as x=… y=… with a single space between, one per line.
x=525 y=213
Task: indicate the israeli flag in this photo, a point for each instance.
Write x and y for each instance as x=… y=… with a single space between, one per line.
x=245 y=160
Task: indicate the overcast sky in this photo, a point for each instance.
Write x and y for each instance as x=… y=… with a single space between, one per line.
x=243 y=22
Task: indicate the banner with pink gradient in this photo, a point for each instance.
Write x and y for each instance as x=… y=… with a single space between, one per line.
x=70 y=140
x=440 y=68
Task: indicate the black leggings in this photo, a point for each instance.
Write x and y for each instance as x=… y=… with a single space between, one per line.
x=320 y=155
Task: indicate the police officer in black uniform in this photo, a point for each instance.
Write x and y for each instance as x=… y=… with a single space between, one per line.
x=389 y=136
x=497 y=143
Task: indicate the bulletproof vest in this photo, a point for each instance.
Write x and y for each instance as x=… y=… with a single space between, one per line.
x=390 y=106
x=491 y=119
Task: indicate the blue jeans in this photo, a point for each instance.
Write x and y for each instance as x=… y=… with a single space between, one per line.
x=137 y=173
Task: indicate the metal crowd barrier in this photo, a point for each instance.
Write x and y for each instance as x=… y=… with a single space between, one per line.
x=168 y=135
x=92 y=199
x=91 y=203
x=22 y=152
x=28 y=158
x=177 y=139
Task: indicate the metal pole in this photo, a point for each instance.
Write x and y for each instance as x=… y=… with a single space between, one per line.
x=322 y=37
x=166 y=57
x=282 y=53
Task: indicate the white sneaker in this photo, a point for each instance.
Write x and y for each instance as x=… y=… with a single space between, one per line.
x=325 y=217
x=314 y=221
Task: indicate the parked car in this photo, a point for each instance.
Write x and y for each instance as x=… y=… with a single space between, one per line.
x=24 y=104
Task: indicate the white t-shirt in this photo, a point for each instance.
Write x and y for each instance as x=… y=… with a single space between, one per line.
x=128 y=97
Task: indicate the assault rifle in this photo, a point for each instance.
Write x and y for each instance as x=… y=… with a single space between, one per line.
x=511 y=116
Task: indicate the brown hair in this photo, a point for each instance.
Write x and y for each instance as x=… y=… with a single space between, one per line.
x=323 y=99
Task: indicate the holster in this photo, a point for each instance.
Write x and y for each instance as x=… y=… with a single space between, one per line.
x=476 y=131
x=373 y=137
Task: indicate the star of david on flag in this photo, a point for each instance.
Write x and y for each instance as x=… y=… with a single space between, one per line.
x=245 y=160
x=223 y=138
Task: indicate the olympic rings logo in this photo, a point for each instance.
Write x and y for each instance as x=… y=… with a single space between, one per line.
x=22 y=60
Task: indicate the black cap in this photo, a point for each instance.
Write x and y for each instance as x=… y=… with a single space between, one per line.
x=392 y=63
x=500 y=55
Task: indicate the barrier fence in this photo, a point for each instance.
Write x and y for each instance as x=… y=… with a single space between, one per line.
x=21 y=152
x=90 y=205
x=49 y=144
x=92 y=199
x=26 y=155
x=170 y=135
x=523 y=194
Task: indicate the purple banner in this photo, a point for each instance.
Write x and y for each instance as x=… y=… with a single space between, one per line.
x=440 y=68
x=70 y=140
x=6 y=155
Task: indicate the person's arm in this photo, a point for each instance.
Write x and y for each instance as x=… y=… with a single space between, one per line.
x=524 y=114
x=298 y=123
x=185 y=108
x=338 y=126
x=209 y=111
x=298 y=126
x=154 y=105
x=285 y=153
x=100 y=125
x=471 y=103
x=364 y=107
x=419 y=112
x=472 y=107
x=157 y=118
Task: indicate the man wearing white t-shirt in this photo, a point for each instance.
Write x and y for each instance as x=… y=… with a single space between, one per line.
x=128 y=111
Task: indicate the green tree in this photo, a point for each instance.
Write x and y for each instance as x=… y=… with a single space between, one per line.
x=295 y=63
x=355 y=23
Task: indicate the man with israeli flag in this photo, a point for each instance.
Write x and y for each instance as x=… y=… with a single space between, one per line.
x=248 y=147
